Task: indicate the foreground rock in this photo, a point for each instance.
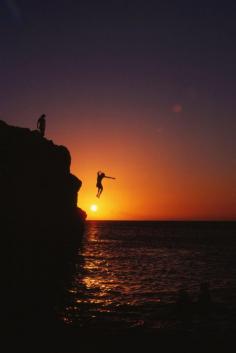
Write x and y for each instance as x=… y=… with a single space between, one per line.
x=41 y=225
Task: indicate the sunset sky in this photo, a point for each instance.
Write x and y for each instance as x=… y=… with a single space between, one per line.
x=142 y=90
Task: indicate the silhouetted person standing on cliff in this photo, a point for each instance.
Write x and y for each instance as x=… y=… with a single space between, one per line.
x=100 y=176
x=41 y=124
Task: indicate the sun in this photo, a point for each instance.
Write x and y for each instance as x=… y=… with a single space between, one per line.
x=94 y=208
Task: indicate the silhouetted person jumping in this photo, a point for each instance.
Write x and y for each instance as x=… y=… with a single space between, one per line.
x=41 y=124
x=100 y=176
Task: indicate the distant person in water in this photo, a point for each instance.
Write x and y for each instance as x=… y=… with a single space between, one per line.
x=41 y=124
x=100 y=176
x=204 y=297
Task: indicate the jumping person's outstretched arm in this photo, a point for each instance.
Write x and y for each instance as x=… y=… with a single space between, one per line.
x=109 y=177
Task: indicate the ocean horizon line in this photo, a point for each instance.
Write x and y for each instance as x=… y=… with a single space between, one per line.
x=161 y=220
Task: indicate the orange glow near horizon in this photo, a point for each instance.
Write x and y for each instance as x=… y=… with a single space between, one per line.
x=152 y=190
x=160 y=175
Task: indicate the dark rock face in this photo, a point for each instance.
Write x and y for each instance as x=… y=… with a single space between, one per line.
x=41 y=225
x=35 y=182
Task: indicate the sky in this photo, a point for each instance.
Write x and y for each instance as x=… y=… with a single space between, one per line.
x=142 y=90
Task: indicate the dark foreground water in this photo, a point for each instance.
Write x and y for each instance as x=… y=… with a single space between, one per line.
x=129 y=275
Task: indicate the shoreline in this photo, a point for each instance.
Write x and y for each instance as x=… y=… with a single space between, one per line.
x=69 y=340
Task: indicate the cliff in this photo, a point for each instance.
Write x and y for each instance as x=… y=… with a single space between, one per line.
x=36 y=186
x=41 y=225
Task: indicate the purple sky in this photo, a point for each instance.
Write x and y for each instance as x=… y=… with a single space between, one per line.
x=123 y=67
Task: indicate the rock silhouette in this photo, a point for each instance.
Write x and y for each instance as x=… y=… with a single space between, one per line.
x=41 y=225
x=37 y=188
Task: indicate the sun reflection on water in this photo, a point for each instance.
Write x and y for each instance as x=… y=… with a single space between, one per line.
x=124 y=275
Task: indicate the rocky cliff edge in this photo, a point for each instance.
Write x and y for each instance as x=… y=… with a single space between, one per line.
x=41 y=226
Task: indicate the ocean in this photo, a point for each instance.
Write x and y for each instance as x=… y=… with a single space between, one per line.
x=130 y=274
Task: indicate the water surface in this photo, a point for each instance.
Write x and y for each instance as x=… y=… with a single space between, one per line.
x=130 y=273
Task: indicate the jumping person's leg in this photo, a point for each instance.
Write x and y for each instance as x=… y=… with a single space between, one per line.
x=100 y=191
